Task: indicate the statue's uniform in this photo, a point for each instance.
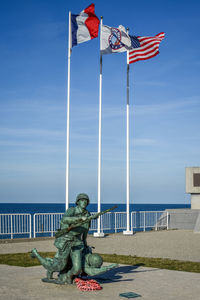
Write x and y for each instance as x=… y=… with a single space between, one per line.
x=71 y=243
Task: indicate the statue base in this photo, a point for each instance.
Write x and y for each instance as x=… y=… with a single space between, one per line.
x=128 y=232
x=55 y=281
x=99 y=234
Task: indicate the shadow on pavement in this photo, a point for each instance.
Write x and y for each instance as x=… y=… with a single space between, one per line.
x=116 y=274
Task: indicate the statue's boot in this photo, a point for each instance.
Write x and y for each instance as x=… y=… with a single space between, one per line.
x=66 y=278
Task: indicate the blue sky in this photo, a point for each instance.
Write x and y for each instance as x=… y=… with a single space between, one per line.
x=164 y=103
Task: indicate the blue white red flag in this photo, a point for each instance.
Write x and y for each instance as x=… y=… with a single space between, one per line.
x=85 y=26
x=145 y=47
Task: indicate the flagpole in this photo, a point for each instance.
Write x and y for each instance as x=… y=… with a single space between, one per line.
x=99 y=233
x=68 y=108
x=128 y=231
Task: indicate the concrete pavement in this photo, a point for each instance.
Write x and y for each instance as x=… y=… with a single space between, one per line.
x=153 y=284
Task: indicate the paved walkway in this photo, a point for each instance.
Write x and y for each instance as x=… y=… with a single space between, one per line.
x=152 y=284
x=18 y=283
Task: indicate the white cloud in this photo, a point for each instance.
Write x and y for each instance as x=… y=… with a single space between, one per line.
x=153 y=83
x=173 y=106
x=116 y=111
x=143 y=142
x=30 y=132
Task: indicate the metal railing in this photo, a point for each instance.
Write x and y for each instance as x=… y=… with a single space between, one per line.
x=106 y=222
x=15 y=224
x=46 y=224
x=49 y=223
x=120 y=221
x=149 y=220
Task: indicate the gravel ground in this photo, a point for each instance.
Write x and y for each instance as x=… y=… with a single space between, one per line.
x=173 y=244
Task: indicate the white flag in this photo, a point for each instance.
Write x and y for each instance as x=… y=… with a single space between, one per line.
x=114 y=40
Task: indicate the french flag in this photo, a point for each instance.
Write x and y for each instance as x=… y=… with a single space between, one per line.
x=85 y=26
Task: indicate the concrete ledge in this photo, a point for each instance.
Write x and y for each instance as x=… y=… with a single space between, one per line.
x=182 y=218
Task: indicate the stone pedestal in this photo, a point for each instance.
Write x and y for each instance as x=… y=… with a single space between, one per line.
x=98 y=234
x=128 y=232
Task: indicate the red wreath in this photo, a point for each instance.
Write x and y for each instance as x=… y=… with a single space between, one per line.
x=87 y=285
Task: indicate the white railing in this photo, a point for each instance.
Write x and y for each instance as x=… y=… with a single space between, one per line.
x=106 y=222
x=48 y=223
x=15 y=224
x=120 y=221
x=149 y=219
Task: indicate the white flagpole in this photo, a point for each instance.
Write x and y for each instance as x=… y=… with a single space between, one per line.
x=128 y=231
x=99 y=233
x=68 y=108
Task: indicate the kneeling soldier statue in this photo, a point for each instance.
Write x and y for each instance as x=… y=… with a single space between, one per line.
x=73 y=257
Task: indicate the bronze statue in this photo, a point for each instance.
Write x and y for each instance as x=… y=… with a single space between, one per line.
x=73 y=257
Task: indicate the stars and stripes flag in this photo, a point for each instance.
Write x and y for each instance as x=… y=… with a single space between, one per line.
x=145 y=47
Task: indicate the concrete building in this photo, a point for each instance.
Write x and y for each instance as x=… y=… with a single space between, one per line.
x=193 y=185
x=188 y=218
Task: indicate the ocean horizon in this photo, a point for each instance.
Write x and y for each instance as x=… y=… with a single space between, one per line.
x=45 y=208
x=32 y=208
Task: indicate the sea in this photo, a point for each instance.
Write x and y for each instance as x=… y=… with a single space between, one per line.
x=32 y=208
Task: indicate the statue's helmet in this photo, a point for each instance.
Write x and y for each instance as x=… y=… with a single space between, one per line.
x=95 y=260
x=82 y=196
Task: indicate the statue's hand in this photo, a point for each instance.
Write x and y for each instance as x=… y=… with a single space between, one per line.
x=113 y=266
x=109 y=267
x=91 y=271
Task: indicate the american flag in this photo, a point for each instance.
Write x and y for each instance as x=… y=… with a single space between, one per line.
x=145 y=47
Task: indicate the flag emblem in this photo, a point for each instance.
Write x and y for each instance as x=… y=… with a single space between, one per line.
x=115 y=39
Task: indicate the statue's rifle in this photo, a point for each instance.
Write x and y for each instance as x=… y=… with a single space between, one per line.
x=60 y=232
